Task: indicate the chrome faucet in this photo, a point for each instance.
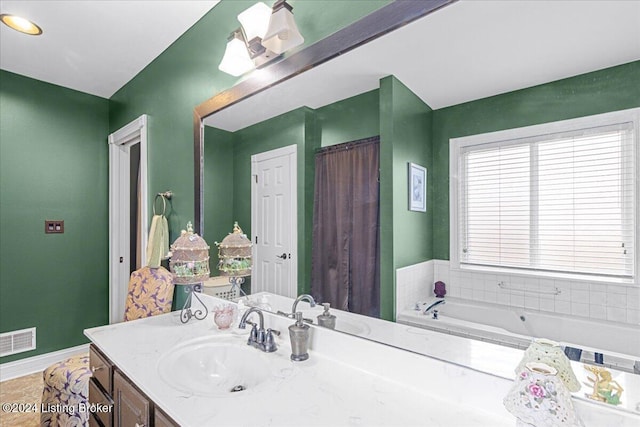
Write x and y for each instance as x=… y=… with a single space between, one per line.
x=307 y=297
x=291 y=315
x=433 y=305
x=259 y=338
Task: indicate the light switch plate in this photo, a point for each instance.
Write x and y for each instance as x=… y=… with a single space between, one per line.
x=53 y=226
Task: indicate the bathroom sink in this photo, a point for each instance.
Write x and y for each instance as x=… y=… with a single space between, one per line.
x=213 y=367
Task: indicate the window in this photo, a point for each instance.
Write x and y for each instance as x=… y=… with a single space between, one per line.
x=556 y=198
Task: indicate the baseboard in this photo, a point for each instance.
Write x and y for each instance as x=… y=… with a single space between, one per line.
x=38 y=363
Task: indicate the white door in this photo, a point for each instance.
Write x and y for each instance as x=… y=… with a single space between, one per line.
x=274 y=222
x=120 y=233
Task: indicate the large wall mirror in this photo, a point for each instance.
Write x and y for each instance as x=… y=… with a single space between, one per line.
x=384 y=77
x=281 y=106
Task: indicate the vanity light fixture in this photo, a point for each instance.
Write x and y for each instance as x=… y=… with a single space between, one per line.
x=264 y=35
x=20 y=24
x=236 y=60
x=283 y=33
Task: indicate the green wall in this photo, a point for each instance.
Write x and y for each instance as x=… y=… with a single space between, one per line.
x=53 y=165
x=350 y=119
x=218 y=194
x=611 y=89
x=405 y=133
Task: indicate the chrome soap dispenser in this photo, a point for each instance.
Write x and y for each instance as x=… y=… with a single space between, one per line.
x=299 y=334
x=327 y=319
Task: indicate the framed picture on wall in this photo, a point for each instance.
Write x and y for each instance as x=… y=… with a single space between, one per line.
x=417 y=188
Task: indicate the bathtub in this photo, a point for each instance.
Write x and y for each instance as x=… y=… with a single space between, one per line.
x=515 y=327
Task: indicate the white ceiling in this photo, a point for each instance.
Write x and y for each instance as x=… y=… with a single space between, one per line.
x=465 y=51
x=94 y=46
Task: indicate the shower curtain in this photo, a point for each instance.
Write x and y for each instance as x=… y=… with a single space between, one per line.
x=346 y=248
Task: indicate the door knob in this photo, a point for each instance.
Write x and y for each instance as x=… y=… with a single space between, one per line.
x=283 y=256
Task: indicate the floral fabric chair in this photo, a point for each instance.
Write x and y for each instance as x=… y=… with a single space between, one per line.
x=150 y=293
x=66 y=383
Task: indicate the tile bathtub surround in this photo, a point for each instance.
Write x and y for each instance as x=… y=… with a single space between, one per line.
x=598 y=301
x=414 y=283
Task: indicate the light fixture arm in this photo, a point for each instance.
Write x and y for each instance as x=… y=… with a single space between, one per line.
x=260 y=55
x=254 y=46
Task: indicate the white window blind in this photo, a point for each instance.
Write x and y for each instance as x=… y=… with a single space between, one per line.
x=561 y=202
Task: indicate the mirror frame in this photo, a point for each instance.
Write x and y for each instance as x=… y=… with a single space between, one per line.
x=370 y=27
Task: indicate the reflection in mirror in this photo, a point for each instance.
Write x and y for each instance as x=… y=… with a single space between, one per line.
x=415 y=95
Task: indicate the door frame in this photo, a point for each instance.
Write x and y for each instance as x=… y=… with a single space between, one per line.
x=120 y=142
x=290 y=151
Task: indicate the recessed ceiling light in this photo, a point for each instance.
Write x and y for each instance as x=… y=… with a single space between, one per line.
x=20 y=24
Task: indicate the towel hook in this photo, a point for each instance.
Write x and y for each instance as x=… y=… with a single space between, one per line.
x=165 y=195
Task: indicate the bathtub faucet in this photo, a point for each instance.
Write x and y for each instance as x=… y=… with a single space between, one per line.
x=433 y=305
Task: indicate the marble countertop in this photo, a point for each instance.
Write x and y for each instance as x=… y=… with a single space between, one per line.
x=346 y=382
x=466 y=352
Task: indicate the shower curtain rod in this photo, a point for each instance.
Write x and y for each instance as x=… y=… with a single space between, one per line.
x=348 y=145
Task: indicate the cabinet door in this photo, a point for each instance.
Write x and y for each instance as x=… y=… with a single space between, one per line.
x=132 y=408
x=162 y=420
x=103 y=401
x=93 y=421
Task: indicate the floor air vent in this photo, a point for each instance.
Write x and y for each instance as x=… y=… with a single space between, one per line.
x=17 y=341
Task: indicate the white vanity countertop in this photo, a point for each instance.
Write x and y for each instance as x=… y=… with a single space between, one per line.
x=479 y=355
x=389 y=386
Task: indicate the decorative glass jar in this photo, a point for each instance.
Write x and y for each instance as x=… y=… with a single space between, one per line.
x=234 y=253
x=190 y=258
x=223 y=315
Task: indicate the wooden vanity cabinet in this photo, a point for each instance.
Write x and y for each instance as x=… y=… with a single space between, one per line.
x=162 y=420
x=130 y=407
x=100 y=388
